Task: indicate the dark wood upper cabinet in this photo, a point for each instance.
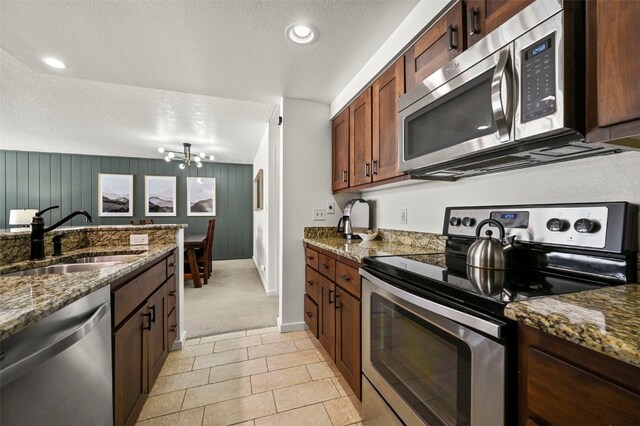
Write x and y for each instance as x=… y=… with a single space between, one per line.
x=340 y=151
x=484 y=16
x=386 y=91
x=438 y=45
x=613 y=67
x=360 y=139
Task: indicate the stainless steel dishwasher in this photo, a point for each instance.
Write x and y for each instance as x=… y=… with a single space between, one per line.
x=58 y=371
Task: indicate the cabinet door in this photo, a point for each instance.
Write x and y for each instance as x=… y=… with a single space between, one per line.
x=360 y=139
x=130 y=367
x=156 y=306
x=386 y=91
x=618 y=67
x=437 y=46
x=327 y=324
x=311 y=315
x=484 y=16
x=340 y=151
x=347 y=310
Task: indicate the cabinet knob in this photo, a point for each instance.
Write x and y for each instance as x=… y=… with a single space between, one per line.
x=325 y=266
x=172 y=293
x=375 y=167
x=473 y=16
x=338 y=301
x=173 y=327
x=309 y=314
x=345 y=277
x=148 y=314
x=344 y=175
x=311 y=283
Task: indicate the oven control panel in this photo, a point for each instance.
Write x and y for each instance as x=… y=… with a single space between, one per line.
x=579 y=226
x=538 y=79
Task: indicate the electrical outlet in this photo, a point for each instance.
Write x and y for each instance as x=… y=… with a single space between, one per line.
x=403 y=216
x=331 y=207
x=319 y=214
x=139 y=239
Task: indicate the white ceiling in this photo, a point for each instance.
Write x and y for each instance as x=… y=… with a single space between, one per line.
x=141 y=73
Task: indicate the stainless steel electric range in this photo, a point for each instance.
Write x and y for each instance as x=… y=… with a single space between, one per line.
x=437 y=348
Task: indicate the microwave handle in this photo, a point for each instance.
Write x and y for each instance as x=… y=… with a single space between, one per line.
x=502 y=112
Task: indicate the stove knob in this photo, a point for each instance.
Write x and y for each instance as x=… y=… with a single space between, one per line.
x=454 y=221
x=558 y=225
x=586 y=226
x=468 y=221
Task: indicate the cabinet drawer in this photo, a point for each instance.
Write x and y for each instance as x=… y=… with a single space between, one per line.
x=171 y=265
x=348 y=278
x=327 y=266
x=172 y=295
x=172 y=328
x=311 y=315
x=311 y=257
x=312 y=284
x=135 y=292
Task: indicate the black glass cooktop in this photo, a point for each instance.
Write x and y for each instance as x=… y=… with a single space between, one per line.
x=447 y=276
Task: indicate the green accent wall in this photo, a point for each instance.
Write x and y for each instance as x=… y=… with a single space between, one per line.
x=39 y=180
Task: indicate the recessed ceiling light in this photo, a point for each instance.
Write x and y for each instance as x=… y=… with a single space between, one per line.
x=301 y=33
x=54 y=63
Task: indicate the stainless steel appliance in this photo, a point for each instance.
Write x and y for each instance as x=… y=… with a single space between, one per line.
x=356 y=218
x=58 y=371
x=436 y=347
x=512 y=100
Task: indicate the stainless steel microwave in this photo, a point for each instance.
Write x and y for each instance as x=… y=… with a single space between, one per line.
x=512 y=100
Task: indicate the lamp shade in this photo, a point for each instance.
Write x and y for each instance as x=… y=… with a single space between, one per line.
x=21 y=216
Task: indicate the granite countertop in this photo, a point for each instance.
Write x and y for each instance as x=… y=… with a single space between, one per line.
x=357 y=250
x=606 y=320
x=20 y=232
x=26 y=300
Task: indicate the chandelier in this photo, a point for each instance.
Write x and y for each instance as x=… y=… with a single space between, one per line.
x=186 y=158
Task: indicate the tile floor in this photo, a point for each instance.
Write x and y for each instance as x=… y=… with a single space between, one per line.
x=251 y=378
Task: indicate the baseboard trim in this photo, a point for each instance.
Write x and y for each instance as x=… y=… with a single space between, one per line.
x=264 y=284
x=292 y=326
x=180 y=342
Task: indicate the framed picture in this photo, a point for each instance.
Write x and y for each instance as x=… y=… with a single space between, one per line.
x=201 y=196
x=115 y=195
x=258 y=191
x=160 y=196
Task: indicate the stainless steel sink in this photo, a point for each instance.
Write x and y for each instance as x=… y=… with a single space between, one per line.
x=63 y=268
x=102 y=259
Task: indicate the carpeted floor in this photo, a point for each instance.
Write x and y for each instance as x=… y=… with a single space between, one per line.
x=233 y=300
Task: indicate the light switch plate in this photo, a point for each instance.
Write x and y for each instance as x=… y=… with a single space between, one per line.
x=331 y=207
x=403 y=216
x=138 y=239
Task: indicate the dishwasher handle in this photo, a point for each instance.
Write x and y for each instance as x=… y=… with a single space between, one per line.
x=26 y=364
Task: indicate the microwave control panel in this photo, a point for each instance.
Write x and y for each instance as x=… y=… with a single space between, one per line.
x=539 y=79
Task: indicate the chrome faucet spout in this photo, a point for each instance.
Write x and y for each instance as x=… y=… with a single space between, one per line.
x=38 y=230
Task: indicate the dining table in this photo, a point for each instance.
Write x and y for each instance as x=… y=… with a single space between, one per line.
x=192 y=242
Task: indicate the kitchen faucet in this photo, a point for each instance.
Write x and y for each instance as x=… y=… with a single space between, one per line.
x=38 y=230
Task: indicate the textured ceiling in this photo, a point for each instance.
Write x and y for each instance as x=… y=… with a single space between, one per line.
x=206 y=50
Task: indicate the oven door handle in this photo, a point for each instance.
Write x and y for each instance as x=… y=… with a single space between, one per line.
x=502 y=111
x=488 y=327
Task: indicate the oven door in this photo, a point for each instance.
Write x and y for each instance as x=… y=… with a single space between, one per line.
x=426 y=360
x=470 y=113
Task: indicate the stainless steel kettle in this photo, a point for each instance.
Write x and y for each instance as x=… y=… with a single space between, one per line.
x=487 y=252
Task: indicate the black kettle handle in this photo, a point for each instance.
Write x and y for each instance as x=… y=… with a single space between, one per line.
x=495 y=222
x=339 y=222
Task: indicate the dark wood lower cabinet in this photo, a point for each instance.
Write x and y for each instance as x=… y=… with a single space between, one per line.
x=332 y=312
x=562 y=383
x=347 y=309
x=142 y=336
x=327 y=325
x=130 y=361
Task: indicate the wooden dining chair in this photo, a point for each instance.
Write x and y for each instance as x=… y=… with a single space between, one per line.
x=204 y=256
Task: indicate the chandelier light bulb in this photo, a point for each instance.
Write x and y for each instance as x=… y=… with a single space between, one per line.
x=161 y=150
x=211 y=157
x=181 y=166
x=203 y=155
x=199 y=165
x=167 y=159
x=171 y=155
x=196 y=159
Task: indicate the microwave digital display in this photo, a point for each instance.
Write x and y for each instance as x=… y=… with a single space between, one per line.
x=538 y=49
